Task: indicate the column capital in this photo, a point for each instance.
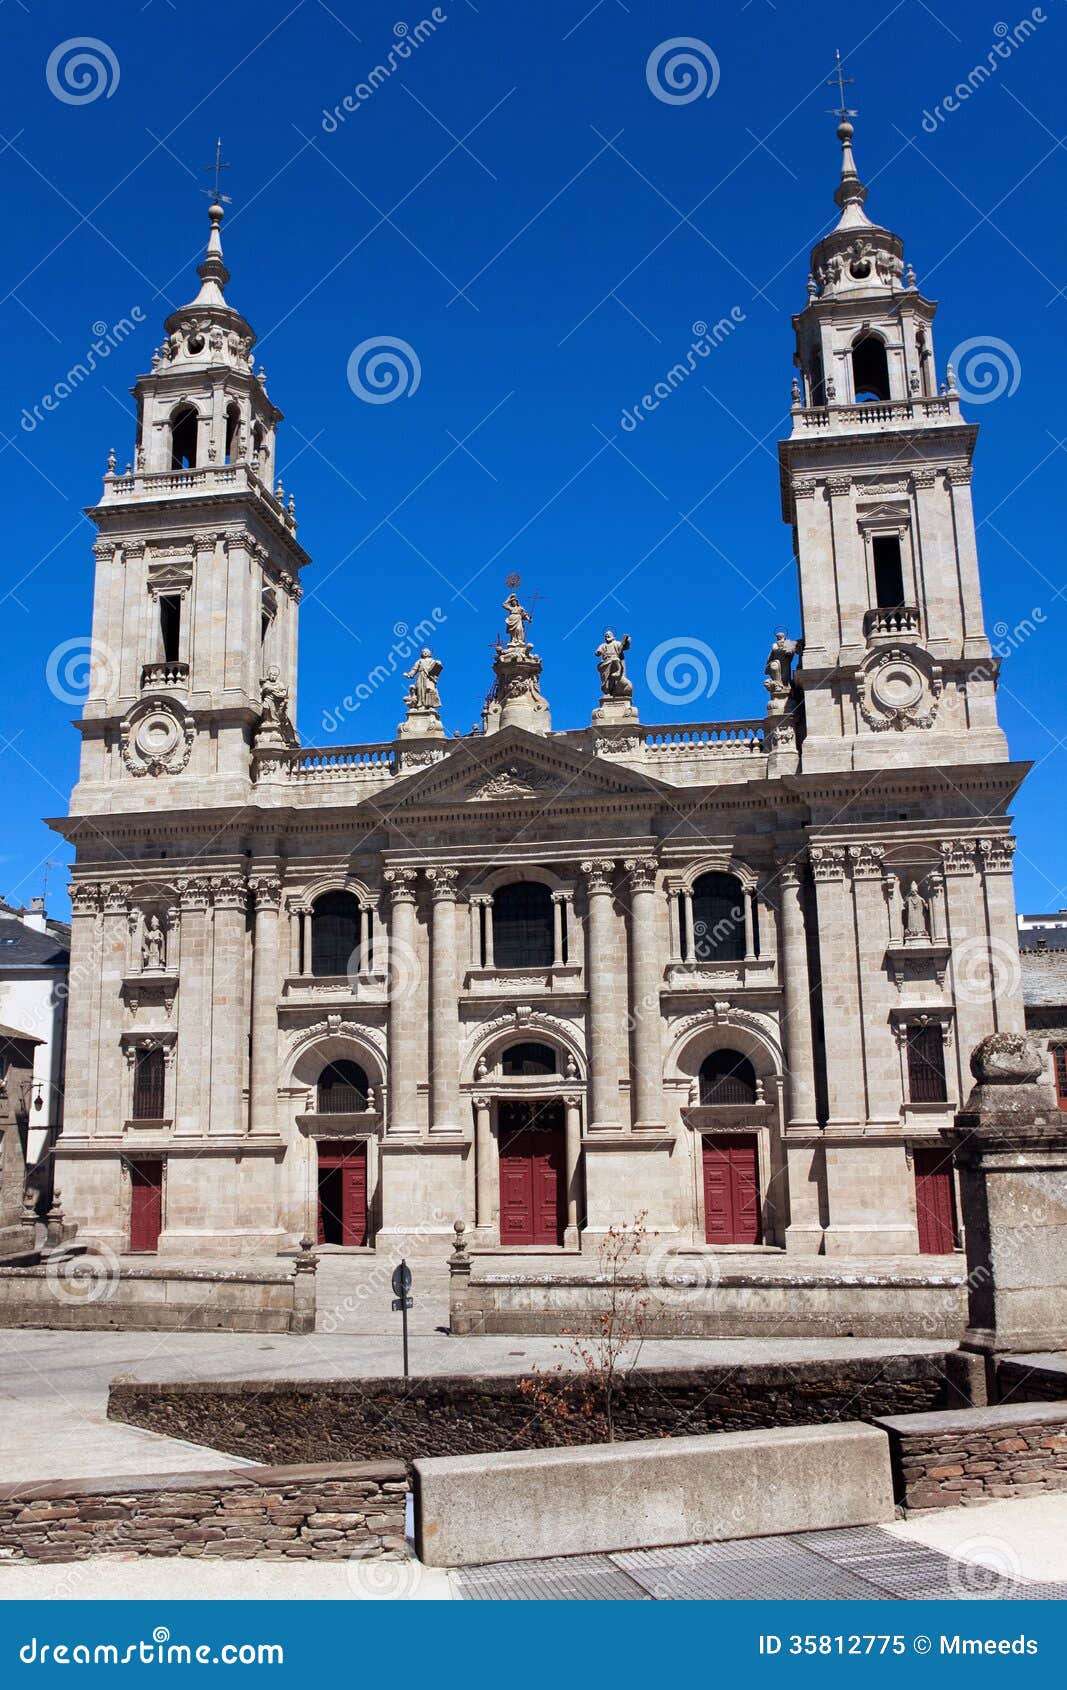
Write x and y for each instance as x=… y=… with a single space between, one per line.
x=827 y=862
x=117 y=896
x=400 y=885
x=572 y=1100
x=995 y=855
x=266 y=889
x=790 y=873
x=443 y=883
x=230 y=891
x=557 y=898
x=84 y=897
x=642 y=872
x=195 y=894
x=866 y=861
x=599 y=873
x=957 y=856
x=480 y=1101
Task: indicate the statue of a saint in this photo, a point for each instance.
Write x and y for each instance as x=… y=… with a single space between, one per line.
x=779 y=666
x=611 y=663
x=274 y=699
x=154 y=946
x=914 y=913
x=515 y=620
x=423 y=675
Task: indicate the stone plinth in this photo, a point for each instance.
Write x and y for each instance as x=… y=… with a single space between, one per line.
x=1010 y=1146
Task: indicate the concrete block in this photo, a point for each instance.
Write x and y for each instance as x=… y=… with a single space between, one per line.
x=473 y=1509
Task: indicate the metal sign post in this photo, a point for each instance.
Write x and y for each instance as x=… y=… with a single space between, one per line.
x=403 y=1302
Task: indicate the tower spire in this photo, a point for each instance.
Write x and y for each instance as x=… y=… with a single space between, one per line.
x=213 y=272
x=850 y=192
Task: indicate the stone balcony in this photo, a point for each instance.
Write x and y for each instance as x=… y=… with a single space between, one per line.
x=751 y=972
x=308 y=989
x=206 y=481
x=876 y=413
x=164 y=677
x=881 y=622
x=508 y=982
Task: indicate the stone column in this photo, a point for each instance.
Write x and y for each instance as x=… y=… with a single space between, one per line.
x=646 y=1071
x=305 y=940
x=690 y=943
x=840 y=986
x=674 y=923
x=995 y=857
x=1010 y=1145
x=444 y=1003
x=750 y=925
x=559 y=917
x=194 y=1071
x=229 y=1032
x=403 y=1021
x=487 y=929
x=572 y=1105
x=475 y=906
x=293 y=912
x=966 y=934
x=796 y=985
x=601 y=938
x=79 y=1103
x=486 y=1197
x=266 y=985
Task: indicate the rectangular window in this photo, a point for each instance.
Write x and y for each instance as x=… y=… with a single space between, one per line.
x=1059 y=1069
x=148 y=1085
x=888 y=571
x=170 y=622
x=926 y=1064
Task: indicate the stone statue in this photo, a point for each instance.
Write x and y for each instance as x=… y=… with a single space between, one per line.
x=515 y=620
x=914 y=914
x=423 y=675
x=274 y=723
x=778 y=669
x=154 y=947
x=611 y=663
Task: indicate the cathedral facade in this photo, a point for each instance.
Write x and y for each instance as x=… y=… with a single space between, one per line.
x=541 y=979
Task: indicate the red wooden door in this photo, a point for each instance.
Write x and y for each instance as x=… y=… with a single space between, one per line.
x=731 y=1189
x=146 y=1204
x=935 y=1201
x=343 y=1192
x=533 y=1207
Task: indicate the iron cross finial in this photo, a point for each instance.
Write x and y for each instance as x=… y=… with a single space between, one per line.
x=216 y=170
x=839 y=80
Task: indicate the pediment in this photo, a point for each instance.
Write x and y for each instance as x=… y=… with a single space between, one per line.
x=515 y=767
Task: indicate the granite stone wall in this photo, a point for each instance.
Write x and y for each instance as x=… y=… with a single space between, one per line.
x=316 y=1513
x=405 y=1420
x=974 y=1455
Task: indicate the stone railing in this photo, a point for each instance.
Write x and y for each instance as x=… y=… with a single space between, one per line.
x=717 y=739
x=901 y=619
x=206 y=478
x=312 y=764
x=877 y=413
x=155 y=675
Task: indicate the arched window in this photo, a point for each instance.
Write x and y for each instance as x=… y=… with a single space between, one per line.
x=522 y=925
x=529 y=1059
x=335 y=935
x=183 y=429
x=870 y=369
x=148 y=1076
x=233 y=430
x=727 y=1077
x=719 y=919
x=342 y=1089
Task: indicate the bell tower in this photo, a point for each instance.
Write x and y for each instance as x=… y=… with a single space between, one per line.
x=876 y=485
x=197 y=569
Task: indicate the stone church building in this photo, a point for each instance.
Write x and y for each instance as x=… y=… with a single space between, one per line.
x=540 y=978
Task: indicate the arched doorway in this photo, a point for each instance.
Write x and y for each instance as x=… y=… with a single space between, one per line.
x=533 y=1172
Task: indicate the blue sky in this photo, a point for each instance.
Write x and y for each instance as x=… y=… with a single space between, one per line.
x=516 y=205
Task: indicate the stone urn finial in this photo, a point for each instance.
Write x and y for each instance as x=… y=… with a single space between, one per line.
x=1006 y=1059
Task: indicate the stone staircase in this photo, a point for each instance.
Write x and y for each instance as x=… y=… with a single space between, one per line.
x=354 y=1295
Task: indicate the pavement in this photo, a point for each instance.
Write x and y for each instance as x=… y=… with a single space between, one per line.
x=1001 y=1551
x=54 y=1385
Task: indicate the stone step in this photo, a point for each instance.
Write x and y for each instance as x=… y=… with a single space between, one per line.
x=354 y=1295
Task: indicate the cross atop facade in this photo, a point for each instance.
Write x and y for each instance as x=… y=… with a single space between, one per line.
x=216 y=170
x=839 y=80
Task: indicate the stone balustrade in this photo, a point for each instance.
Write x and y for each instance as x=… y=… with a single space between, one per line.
x=205 y=479
x=718 y=739
x=897 y=413
x=901 y=619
